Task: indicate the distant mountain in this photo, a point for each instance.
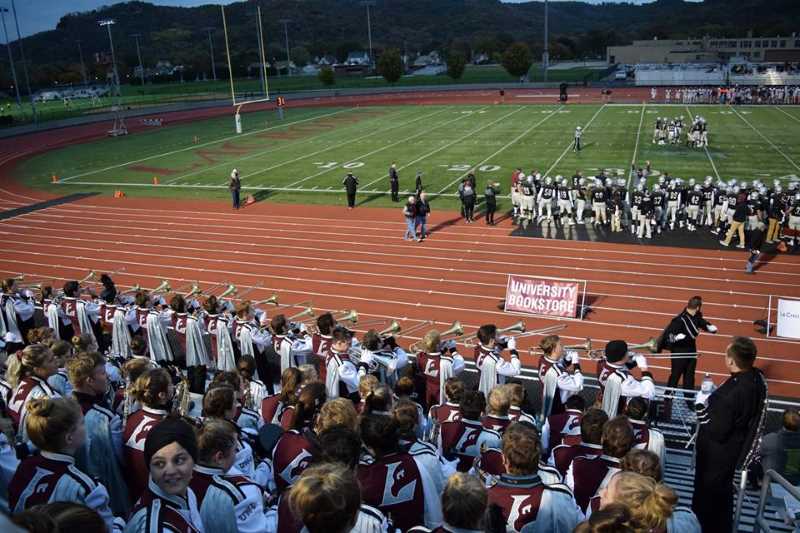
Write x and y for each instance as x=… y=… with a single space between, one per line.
x=577 y=29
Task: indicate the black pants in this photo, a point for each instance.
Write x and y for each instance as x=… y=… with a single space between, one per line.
x=351 y=198
x=395 y=190
x=683 y=368
x=469 y=208
x=235 y=198
x=713 y=494
x=490 y=209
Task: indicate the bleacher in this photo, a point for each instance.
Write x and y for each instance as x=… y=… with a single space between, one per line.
x=709 y=74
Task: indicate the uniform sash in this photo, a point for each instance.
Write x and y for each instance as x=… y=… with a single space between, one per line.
x=157 y=341
x=120 y=336
x=226 y=362
x=196 y=353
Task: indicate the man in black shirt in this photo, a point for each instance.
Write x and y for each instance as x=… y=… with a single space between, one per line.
x=730 y=424
x=394 y=182
x=350 y=183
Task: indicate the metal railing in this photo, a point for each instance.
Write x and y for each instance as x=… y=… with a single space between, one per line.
x=770 y=476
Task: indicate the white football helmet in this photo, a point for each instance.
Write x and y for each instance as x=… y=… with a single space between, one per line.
x=548 y=180
x=691 y=182
x=656 y=187
x=697 y=187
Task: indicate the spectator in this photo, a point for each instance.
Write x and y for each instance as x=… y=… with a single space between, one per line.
x=490 y=201
x=780 y=451
x=410 y=214
x=468 y=200
x=423 y=210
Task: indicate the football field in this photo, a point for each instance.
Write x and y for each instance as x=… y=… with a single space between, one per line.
x=305 y=157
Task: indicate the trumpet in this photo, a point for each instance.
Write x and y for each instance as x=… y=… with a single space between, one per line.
x=31 y=287
x=271 y=300
x=307 y=312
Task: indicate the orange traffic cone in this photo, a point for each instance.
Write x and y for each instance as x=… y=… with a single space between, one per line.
x=250 y=199
x=119 y=194
x=54 y=179
x=155 y=180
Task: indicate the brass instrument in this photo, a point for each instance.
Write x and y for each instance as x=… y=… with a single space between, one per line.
x=92 y=276
x=307 y=312
x=31 y=287
x=273 y=300
x=305 y=304
x=349 y=316
x=517 y=327
x=135 y=288
x=229 y=291
x=183 y=397
x=585 y=347
x=194 y=291
x=162 y=287
x=454 y=329
x=651 y=344
x=391 y=329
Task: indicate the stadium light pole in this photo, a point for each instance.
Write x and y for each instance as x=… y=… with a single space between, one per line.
x=83 y=65
x=4 y=10
x=24 y=64
x=546 y=53
x=285 y=23
x=108 y=23
x=210 y=31
x=139 y=55
x=369 y=3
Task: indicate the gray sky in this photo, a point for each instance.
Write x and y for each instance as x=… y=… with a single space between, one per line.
x=41 y=15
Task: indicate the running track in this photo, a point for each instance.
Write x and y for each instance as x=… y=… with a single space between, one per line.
x=356 y=259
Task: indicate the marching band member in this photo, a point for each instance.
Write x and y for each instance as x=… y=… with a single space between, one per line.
x=245 y=417
x=383 y=356
x=157 y=322
x=101 y=454
x=253 y=389
x=16 y=315
x=447 y=410
x=463 y=438
x=492 y=367
x=645 y=437
x=123 y=320
x=293 y=351
x=154 y=391
x=438 y=367
x=190 y=339
x=252 y=339
x=137 y=315
x=279 y=408
x=342 y=373
x=62 y=351
x=522 y=495
x=124 y=402
x=28 y=375
x=228 y=503
x=168 y=504
x=592 y=424
x=321 y=341
x=218 y=325
x=497 y=405
x=565 y=427
x=86 y=313
x=558 y=383
x=394 y=480
x=326 y=500
x=616 y=382
x=55 y=426
x=406 y=419
x=518 y=397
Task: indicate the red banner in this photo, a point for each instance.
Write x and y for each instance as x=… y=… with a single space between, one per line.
x=542 y=296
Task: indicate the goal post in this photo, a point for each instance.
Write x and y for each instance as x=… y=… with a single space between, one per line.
x=238 y=103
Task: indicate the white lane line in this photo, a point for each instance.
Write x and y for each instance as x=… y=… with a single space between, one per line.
x=272 y=150
x=404 y=140
x=504 y=147
x=569 y=146
x=414 y=305
x=274 y=236
x=735 y=112
x=195 y=147
x=636 y=146
x=708 y=154
x=343 y=143
x=787 y=114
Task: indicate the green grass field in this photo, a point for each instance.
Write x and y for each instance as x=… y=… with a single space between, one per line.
x=305 y=157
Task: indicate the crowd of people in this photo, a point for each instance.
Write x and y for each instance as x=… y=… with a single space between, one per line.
x=124 y=413
x=733 y=95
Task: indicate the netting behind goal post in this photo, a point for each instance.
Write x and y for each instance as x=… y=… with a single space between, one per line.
x=243 y=98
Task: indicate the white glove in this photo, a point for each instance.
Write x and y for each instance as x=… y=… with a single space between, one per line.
x=28 y=293
x=679 y=337
x=573 y=357
x=712 y=328
x=641 y=362
x=512 y=343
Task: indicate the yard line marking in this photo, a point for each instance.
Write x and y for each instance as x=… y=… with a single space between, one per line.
x=566 y=150
x=379 y=130
x=502 y=148
x=708 y=154
x=209 y=143
x=765 y=138
x=787 y=114
x=636 y=146
x=423 y=132
x=260 y=153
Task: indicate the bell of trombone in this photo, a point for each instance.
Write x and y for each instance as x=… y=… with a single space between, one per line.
x=163 y=287
x=230 y=291
x=519 y=327
x=586 y=346
x=135 y=288
x=307 y=312
x=393 y=328
x=273 y=300
x=350 y=316
x=651 y=345
x=193 y=291
x=92 y=276
x=455 y=329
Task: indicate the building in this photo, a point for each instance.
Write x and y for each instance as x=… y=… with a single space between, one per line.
x=707 y=50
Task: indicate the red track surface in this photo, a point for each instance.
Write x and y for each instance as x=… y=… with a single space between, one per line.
x=357 y=259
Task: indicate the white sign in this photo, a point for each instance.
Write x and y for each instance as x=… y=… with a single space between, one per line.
x=789 y=318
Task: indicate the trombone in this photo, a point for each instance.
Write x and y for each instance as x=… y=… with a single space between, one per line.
x=162 y=287
x=346 y=316
x=517 y=327
x=454 y=329
x=307 y=312
x=273 y=300
x=584 y=347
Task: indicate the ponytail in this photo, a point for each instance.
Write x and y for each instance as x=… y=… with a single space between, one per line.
x=49 y=420
x=148 y=387
x=650 y=502
x=22 y=364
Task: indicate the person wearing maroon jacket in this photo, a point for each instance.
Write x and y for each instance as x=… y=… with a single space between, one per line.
x=394 y=480
x=496 y=417
x=448 y=410
x=520 y=497
x=463 y=506
x=154 y=391
x=590 y=444
x=564 y=428
x=279 y=408
x=586 y=475
x=463 y=439
x=518 y=398
x=321 y=341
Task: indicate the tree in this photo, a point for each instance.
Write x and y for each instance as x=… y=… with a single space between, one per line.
x=517 y=59
x=456 y=62
x=326 y=75
x=390 y=65
x=300 y=56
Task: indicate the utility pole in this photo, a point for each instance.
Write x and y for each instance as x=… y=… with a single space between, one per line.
x=10 y=55
x=285 y=23
x=546 y=53
x=22 y=56
x=369 y=3
x=108 y=23
x=83 y=65
x=210 y=31
x=139 y=54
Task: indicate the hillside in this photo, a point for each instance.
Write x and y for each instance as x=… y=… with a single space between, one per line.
x=336 y=26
